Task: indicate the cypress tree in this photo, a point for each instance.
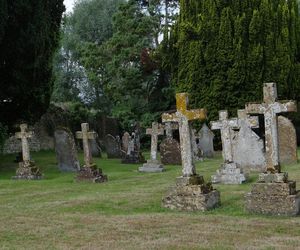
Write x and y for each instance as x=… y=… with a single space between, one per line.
x=227 y=49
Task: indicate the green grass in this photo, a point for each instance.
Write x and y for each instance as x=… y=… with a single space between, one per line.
x=126 y=212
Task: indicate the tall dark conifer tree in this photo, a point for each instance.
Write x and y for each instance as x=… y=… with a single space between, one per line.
x=29 y=35
x=226 y=49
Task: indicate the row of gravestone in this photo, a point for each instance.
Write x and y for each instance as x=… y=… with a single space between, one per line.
x=191 y=191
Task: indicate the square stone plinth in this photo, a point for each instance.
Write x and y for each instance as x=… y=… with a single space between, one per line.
x=28 y=171
x=273 y=199
x=152 y=167
x=229 y=173
x=191 y=198
x=91 y=174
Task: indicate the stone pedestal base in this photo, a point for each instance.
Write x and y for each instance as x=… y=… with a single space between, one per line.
x=151 y=167
x=28 y=171
x=191 y=194
x=133 y=158
x=91 y=174
x=229 y=173
x=273 y=198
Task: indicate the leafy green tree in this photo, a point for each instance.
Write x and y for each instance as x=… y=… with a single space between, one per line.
x=29 y=35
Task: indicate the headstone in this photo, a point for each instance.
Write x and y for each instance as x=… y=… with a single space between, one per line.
x=27 y=169
x=230 y=172
x=113 y=147
x=153 y=165
x=206 y=141
x=125 y=141
x=287 y=141
x=248 y=147
x=170 y=153
x=273 y=193
x=191 y=192
x=133 y=154
x=65 y=148
x=90 y=171
x=170 y=148
x=95 y=149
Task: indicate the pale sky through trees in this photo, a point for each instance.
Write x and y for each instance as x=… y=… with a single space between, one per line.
x=69 y=5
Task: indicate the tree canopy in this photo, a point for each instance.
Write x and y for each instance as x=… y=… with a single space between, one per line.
x=226 y=50
x=29 y=35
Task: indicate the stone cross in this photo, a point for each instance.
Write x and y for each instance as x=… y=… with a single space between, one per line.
x=225 y=125
x=169 y=127
x=182 y=117
x=24 y=135
x=155 y=131
x=270 y=108
x=85 y=135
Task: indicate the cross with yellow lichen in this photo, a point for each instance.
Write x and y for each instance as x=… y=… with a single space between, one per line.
x=183 y=116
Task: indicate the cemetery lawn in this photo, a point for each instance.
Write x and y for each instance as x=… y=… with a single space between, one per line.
x=126 y=213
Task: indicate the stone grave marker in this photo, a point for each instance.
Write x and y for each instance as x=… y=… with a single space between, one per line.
x=133 y=154
x=65 y=148
x=197 y=153
x=95 y=149
x=248 y=147
x=273 y=193
x=125 y=141
x=90 y=171
x=206 y=141
x=191 y=192
x=170 y=148
x=153 y=165
x=27 y=169
x=113 y=147
x=287 y=141
x=229 y=173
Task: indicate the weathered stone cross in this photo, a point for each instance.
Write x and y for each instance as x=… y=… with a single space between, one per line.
x=270 y=108
x=85 y=135
x=225 y=125
x=24 y=135
x=155 y=131
x=169 y=127
x=183 y=116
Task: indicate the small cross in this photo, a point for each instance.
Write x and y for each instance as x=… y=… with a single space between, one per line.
x=85 y=135
x=169 y=127
x=270 y=108
x=155 y=131
x=24 y=135
x=182 y=117
x=225 y=125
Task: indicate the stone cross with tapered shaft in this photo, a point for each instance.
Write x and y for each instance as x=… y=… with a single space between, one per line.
x=182 y=117
x=24 y=135
x=85 y=135
x=225 y=125
x=155 y=131
x=270 y=108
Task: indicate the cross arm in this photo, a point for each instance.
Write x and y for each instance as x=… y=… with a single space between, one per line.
x=92 y=135
x=286 y=106
x=215 y=125
x=196 y=114
x=79 y=135
x=169 y=117
x=254 y=108
x=23 y=134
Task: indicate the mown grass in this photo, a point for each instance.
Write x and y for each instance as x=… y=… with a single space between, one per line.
x=126 y=212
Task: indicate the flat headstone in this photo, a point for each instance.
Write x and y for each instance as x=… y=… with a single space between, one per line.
x=113 y=147
x=287 y=141
x=65 y=148
x=170 y=153
x=248 y=150
x=206 y=141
